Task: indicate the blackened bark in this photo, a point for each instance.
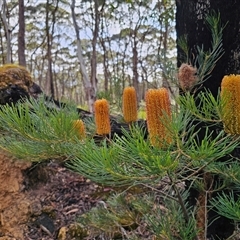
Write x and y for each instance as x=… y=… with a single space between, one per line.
x=190 y=22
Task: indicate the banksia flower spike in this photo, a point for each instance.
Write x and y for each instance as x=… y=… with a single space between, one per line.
x=187 y=76
x=102 y=119
x=158 y=106
x=230 y=94
x=80 y=127
x=129 y=104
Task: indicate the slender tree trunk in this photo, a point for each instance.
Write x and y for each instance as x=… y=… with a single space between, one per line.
x=94 y=44
x=49 y=35
x=7 y=31
x=89 y=89
x=123 y=64
x=105 y=65
x=2 y=47
x=49 y=57
x=105 y=57
x=21 y=34
x=135 y=65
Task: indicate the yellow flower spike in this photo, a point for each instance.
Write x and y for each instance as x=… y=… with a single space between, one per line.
x=157 y=107
x=230 y=93
x=80 y=127
x=187 y=76
x=102 y=118
x=129 y=104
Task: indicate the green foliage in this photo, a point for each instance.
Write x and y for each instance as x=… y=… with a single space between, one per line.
x=206 y=60
x=168 y=222
x=118 y=216
x=150 y=176
x=148 y=182
x=227 y=206
x=35 y=132
x=122 y=214
x=125 y=161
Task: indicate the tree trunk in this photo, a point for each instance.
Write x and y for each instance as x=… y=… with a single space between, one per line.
x=2 y=45
x=190 y=19
x=135 y=65
x=7 y=31
x=94 y=45
x=105 y=65
x=49 y=34
x=89 y=89
x=21 y=34
x=190 y=22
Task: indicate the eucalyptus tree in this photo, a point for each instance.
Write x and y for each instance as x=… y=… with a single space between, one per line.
x=164 y=18
x=21 y=33
x=89 y=89
x=7 y=28
x=144 y=42
x=47 y=42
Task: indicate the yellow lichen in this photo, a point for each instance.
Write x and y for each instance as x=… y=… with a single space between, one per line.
x=230 y=95
x=15 y=74
x=158 y=108
x=102 y=119
x=129 y=104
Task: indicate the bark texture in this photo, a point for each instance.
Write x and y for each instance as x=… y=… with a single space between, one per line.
x=190 y=18
x=21 y=34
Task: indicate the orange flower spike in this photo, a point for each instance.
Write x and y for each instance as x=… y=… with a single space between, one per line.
x=187 y=76
x=129 y=104
x=157 y=105
x=102 y=118
x=230 y=93
x=80 y=127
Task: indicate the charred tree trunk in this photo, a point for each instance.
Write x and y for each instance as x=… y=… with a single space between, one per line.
x=190 y=22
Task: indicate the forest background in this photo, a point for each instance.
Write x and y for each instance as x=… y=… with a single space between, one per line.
x=83 y=50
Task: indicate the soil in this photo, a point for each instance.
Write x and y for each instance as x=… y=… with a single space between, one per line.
x=42 y=201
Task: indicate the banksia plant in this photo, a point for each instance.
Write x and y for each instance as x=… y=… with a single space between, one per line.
x=158 y=107
x=102 y=119
x=129 y=105
x=80 y=127
x=187 y=76
x=230 y=94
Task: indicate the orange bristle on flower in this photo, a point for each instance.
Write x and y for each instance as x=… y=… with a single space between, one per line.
x=80 y=127
x=129 y=104
x=102 y=118
x=158 y=108
x=230 y=95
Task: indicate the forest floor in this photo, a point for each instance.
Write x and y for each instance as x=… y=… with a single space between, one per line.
x=42 y=201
